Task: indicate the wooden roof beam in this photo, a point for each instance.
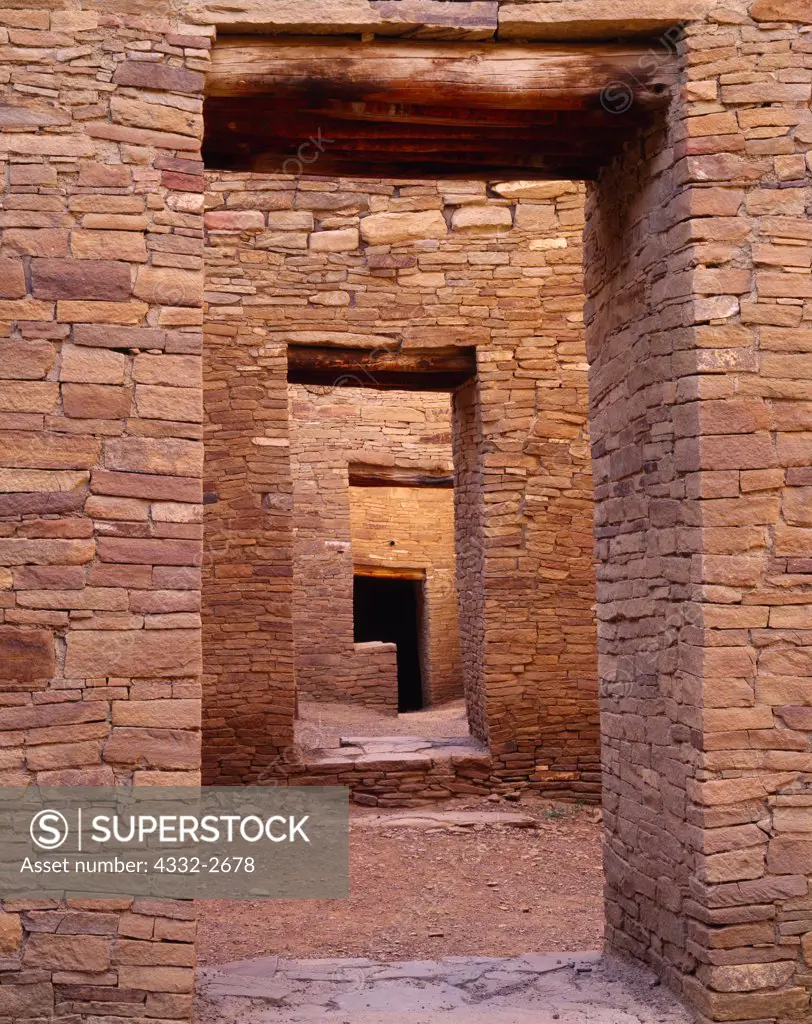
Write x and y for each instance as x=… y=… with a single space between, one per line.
x=543 y=76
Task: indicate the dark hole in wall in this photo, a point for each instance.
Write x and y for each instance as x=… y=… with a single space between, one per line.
x=388 y=609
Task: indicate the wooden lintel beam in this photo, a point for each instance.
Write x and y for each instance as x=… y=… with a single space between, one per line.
x=542 y=76
x=361 y=475
x=432 y=370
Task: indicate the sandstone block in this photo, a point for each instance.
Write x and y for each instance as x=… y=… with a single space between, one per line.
x=146 y=551
x=11 y=932
x=156 y=117
x=282 y=240
x=25 y=360
x=165 y=403
x=166 y=286
x=28 y=396
x=535 y=189
x=41 y=480
x=157 y=979
x=750 y=977
x=154 y=455
x=24 y=450
x=168 y=370
x=389 y=228
x=109 y=245
x=68 y=952
x=121 y=509
x=12 y=279
x=291 y=220
x=92 y=365
x=154 y=954
x=17 y=551
x=749 y=1006
x=533 y=217
x=105 y=175
x=593 y=19
x=780 y=10
x=157 y=714
x=147 y=486
x=144 y=75
x=61 y=756
x=153 y=748
x=127 y=653
x=118 y=337
x=95 y=401
x=482 y=219
x=789 y=856
x=341 y=240
x=36 y=241
x=797 y=502
x=80 y=279
x=236 y=221
x=24 y=1002
x=25 y=309
x=93 y=312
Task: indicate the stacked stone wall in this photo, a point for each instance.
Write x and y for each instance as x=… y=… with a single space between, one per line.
x=101 y=288
x=430 y=265
x=698 y=320
x=698 y=277
x=420 y=521
x=338 y=527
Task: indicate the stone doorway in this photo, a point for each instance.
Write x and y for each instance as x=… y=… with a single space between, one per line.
x=389 y=609
x=664 y=326
x=698 y=324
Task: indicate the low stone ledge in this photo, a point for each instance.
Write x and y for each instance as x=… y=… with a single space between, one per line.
x=596 y=19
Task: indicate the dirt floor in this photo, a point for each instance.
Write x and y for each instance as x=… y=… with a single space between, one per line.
x=319 y=726
x=486 y=891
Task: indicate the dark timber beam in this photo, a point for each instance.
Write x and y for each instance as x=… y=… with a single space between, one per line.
x=361 y=475
x=505 y=76
x=430 y=370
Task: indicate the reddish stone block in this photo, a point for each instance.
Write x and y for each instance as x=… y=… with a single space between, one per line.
x=148 y=75
x=153 y=748
x=25 y=360
x=133 y=653
x=145 y=485
x=12 y=279
x=68 y=952
x=96 y=401
x=80 y=279
x=26 y=655
x=183 y=182
x=147 y=551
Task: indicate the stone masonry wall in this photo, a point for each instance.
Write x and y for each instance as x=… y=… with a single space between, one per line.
x=421 y=523
x=338 y=527
x=421 y=265
x=699 y=285
x=700 y=348
x=101 y=288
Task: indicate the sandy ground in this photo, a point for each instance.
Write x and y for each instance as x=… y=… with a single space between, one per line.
x=427 y=895
x=319 y=726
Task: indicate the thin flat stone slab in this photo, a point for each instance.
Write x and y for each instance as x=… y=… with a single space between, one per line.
x=417 y=19
x=570 y=20
x=563 y=988
x=395 y=746
x=445 y=819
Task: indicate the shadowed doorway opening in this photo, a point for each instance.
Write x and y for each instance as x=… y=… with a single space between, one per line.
x=387 y=609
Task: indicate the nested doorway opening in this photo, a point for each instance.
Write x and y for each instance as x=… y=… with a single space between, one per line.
x=388 y=608
x=378 y=599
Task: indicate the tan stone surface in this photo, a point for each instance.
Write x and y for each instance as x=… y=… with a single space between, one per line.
x=595 y=19
x=164 y=653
